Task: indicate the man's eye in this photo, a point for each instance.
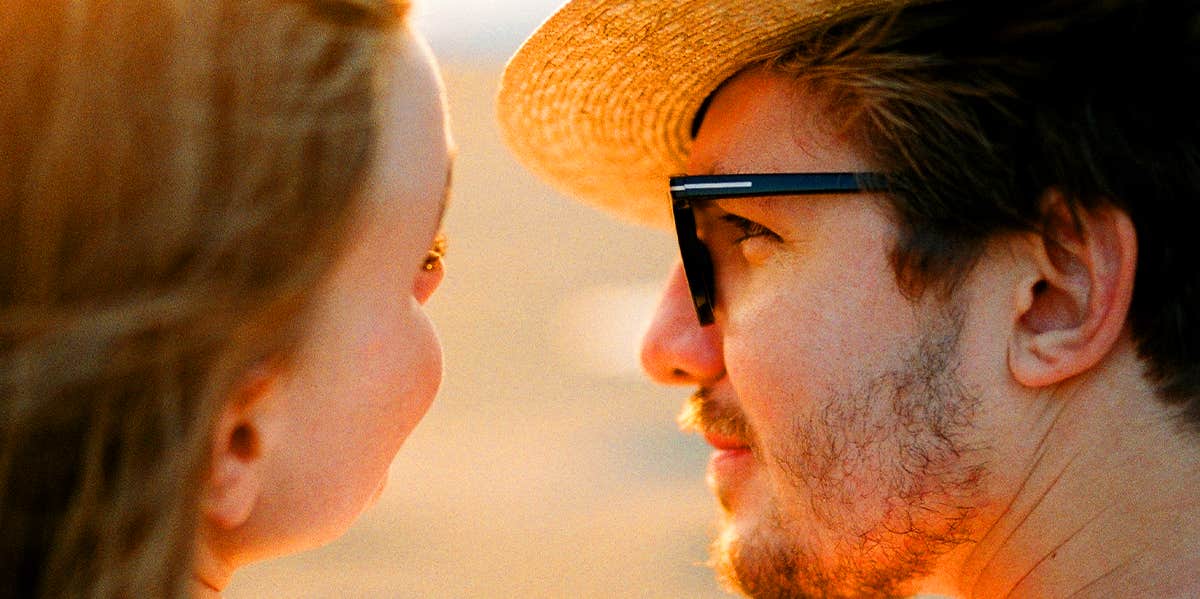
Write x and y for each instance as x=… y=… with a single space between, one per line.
x=747 y=229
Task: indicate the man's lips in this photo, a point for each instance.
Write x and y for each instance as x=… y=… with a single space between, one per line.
x=720 y=423
x=730 y=467
x=724 y=442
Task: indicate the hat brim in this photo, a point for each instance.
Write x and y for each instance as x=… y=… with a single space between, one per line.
x=600 y=100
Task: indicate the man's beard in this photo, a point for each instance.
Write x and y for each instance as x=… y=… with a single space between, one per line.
x=888 y=481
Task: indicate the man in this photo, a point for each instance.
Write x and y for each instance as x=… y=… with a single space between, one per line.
x=938 y=292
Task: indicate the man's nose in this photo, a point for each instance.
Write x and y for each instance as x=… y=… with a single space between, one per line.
x=676 y=349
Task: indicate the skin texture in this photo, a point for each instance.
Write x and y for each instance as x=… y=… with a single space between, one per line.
x=984 y=444
x=299 y=459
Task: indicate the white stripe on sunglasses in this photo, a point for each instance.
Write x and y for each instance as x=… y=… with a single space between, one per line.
x=729 y=185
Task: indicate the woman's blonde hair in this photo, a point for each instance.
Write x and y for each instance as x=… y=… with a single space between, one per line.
x=175 y=178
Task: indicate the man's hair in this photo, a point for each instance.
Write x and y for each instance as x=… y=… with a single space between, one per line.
x=977 y=108
x=175 y=179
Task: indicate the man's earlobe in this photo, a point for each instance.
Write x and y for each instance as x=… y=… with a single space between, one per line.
x=1074 y=310
x=236 y=476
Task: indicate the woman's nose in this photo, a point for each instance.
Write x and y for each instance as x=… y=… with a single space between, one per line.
x=676 y=349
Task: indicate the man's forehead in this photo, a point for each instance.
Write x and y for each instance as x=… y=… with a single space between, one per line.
x=762 y=122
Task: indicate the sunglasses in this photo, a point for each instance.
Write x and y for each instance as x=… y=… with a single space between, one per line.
x=686 y=190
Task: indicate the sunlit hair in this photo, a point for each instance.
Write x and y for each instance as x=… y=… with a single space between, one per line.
x=976 y=109
x=175 y=178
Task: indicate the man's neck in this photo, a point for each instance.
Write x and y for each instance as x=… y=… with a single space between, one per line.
x=1106 y=506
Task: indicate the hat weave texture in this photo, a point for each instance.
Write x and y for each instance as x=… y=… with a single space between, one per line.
x=599 y=101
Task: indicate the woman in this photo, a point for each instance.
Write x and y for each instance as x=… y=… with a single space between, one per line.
x=216 y=222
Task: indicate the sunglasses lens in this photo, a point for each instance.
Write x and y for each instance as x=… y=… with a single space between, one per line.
x=697 y=264
x=700 y=270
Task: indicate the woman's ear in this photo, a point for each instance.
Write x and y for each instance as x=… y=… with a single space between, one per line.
x=236 y=477
x=1073 y=309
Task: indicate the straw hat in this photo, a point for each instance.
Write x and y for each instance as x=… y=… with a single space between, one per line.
x=600 y=100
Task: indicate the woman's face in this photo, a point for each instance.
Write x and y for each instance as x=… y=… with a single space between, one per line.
x=372 y=363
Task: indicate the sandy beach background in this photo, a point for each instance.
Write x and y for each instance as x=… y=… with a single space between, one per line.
x=548 y=466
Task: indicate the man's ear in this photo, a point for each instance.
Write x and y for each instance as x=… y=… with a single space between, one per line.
x=236 y=477
x=1073 y=307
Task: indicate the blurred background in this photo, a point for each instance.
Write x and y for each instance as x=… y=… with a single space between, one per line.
x=548 y=466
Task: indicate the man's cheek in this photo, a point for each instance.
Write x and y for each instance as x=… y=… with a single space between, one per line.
x=769 y=389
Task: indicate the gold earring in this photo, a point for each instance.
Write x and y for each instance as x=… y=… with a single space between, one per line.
x=433 y=260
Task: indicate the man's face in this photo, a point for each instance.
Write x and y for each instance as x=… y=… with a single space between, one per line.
x=846 y=457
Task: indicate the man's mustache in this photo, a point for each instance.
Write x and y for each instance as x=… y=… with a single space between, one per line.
x=705 y=413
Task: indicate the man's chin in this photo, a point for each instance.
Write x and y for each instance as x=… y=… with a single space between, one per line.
x=722 y=556
x=750 y=558
x=749 y=527
x=759 y=553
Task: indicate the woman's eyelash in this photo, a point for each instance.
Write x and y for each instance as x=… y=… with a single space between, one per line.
x=748 y=228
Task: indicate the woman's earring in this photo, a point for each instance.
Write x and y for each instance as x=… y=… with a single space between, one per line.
x=433 y=260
